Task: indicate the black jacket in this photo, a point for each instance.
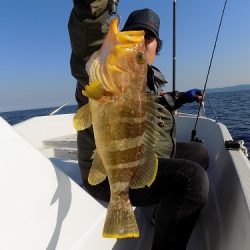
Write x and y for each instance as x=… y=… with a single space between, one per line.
x=87 y=31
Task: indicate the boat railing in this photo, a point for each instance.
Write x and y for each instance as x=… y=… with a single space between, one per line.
x=56 y=110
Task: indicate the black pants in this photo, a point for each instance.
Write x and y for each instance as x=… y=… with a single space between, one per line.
x=180 y=190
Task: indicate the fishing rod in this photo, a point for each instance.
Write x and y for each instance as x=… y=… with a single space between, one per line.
x=174 y=44
x=193 y=134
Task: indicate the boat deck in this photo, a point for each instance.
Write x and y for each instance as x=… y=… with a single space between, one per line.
x=62 y=152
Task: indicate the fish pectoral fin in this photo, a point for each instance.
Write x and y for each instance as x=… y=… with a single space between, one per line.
x=94 y=90
x=120 y=223
x=82 y=118
x=97 y=173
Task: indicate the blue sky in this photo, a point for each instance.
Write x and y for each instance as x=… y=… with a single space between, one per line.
x=35 y=48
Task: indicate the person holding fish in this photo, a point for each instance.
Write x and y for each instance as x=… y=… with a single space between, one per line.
x=127 y=152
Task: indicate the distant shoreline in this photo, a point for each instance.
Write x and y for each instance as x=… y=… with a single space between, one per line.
x=239 y=87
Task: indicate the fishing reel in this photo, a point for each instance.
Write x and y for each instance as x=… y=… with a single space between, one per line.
x=195 y=139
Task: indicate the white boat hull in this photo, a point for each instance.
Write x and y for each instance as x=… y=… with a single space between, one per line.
x=43 y=206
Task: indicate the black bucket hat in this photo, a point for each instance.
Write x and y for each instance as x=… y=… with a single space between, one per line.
x=145 y=19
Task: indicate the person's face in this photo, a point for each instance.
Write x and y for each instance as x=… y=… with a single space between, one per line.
x=151 y=46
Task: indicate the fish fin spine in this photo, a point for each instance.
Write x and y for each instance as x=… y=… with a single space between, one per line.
x=146 y=172
x=148 y=166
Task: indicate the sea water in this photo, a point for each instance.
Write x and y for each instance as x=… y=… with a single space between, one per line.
x=230 y=108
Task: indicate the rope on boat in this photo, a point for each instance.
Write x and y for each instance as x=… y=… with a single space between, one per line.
x=236 y=145
x=215 y=116
x=209 y=68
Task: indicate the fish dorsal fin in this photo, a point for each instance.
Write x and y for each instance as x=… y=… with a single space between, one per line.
x=98 y=67
x=82 y=118
x=97 y=172
x=111 y=36
x=148 y=166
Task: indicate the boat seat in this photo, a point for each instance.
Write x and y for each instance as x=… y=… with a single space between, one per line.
x=63 y=147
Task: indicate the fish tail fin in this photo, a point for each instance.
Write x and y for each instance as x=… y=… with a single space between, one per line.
x=120 y=221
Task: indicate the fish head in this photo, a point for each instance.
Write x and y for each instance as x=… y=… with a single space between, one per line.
x=121 y=63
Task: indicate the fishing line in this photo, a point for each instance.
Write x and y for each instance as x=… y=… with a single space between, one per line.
x=209 y=68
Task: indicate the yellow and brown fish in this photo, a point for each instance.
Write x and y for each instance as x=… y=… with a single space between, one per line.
x=123 y=118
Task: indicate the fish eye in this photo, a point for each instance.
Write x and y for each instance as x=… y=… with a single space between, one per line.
x=141 y=58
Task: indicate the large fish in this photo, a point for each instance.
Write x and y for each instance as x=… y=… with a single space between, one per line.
x=124 y=121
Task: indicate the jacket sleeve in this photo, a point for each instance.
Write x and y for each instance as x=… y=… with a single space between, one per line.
x=156 y=83
x=86 y=26
x=172 y=100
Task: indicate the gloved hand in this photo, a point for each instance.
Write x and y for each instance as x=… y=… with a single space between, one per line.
x=112 y=6
x=193 y=95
